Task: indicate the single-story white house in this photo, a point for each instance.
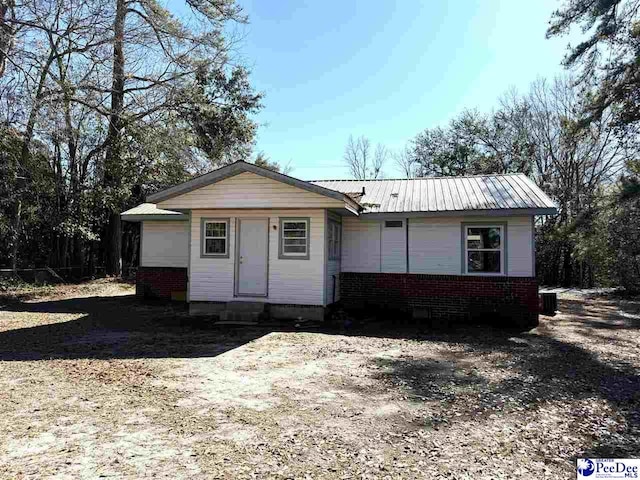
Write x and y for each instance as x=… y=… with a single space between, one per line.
x=448 y=246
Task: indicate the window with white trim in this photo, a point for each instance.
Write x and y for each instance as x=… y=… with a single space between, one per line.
x=215 y=237
x=484 y=249
x=294 y=238
x=333 y=238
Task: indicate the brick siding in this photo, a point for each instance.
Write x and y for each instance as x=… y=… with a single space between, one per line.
x=513 y=300
x=161 y=282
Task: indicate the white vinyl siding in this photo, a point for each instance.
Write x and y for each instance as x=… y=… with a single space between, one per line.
x=369 y=246
x=394 y=247
x=360 y=245
x=435 y=245
x=290 y=281
x=164 y=244
x=248 y=190
x=520 y=248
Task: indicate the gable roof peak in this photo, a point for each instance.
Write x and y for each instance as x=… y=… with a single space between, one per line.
x=240 y=166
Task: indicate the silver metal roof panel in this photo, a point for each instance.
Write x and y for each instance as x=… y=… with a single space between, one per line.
x=447 y=194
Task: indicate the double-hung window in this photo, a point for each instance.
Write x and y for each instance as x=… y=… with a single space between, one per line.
x=215 y=237
x=484 y=249
x=294 y=238
x=334 y=240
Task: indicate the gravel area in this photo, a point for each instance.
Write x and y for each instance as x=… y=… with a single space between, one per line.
x=96 y=384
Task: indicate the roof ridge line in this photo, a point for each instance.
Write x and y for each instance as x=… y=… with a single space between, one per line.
x=417 y=178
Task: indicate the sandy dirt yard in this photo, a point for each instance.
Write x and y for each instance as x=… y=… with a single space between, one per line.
x=96 y=384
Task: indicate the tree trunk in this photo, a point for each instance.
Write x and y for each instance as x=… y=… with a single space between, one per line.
x=7 y=32
x=16 y=236
x=91 y=264
x=24 y=151
x=78 y=257
x=567 y=278
x=113 y=156
x=114 y=241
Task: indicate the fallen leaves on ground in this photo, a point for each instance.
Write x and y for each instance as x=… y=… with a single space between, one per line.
x=93 y=386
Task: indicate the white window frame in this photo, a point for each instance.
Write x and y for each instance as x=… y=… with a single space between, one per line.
x=502 y=249
x=334 y=239
x=295 y=255
x=204 y=238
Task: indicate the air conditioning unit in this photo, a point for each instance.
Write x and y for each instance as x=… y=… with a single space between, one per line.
x=548 y=303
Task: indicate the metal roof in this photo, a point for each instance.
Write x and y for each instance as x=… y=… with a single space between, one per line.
x=446 y=194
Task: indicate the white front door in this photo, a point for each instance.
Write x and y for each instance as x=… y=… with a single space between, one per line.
x=252 y=257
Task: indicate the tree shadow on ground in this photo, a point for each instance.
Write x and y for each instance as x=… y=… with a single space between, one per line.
x=604 y=314
x=34 y=291
x=116 y=327
x=533 y=369
x=520 y=372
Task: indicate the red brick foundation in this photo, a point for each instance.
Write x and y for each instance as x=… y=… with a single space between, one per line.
x=161 y=282
x=509 y=300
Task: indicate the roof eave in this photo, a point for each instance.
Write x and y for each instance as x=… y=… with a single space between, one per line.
x=504 y=212
x=140 y=217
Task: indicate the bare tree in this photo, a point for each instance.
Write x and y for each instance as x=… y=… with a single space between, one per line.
x=7 y=32
x=406 y=163
x=113 y=155
x=364 y=164
x=379 y=159
x=142 y=87
x=47 y=36
x=574 y=164
x=103 y=93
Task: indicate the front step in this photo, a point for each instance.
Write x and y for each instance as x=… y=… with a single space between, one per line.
x=239 y=317
x=240 y=312
x=245 y=307
x=229 y=311
x=236 y=323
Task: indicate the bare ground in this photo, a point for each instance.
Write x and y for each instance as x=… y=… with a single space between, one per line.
x=94 y=383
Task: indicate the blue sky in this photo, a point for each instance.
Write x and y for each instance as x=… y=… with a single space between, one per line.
x=383 y=69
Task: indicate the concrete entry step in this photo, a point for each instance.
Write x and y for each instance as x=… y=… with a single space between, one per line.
x=206 y=308
x=247 y=311
x=238 y=323
x=231 y=316
x=238 y=306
